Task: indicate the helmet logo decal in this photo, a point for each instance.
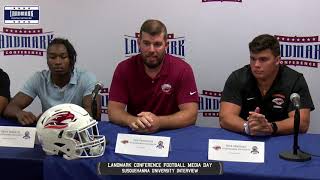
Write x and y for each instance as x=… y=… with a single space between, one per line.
x=59 y=120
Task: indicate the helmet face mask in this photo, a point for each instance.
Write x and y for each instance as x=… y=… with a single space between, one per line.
x=69 y=131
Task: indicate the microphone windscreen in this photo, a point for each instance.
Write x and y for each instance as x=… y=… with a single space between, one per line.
x=294 y=96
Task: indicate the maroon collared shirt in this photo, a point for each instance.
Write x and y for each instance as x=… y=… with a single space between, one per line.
x=174 y=85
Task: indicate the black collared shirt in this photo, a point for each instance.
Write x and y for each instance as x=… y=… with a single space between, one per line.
x=241 y=89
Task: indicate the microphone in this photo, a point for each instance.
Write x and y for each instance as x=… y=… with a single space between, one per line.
x=296 y=154
x=96 y=90
x=295 y=99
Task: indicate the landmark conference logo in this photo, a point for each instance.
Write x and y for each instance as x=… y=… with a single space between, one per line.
x=176 y=45
x=21 y=14
x=209 y=103
x=222 y=1
x=20 y=41
x=299 y=51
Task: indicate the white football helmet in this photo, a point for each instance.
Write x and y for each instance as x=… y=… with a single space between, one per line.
x=69 y=131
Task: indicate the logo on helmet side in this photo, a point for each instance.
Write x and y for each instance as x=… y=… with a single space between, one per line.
x=59 y=120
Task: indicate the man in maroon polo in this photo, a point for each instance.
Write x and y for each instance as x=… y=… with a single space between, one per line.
x=158 y=90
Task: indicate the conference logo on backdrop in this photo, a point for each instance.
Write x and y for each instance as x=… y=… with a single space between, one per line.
x=221 y=0
x=176 y=45
x=24 y=41
x=209 y=103
x=104 y=93
x=299 y=51
x=21 y=14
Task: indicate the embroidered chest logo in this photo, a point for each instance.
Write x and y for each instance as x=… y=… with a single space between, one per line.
x=166 y=88
x=278 y=100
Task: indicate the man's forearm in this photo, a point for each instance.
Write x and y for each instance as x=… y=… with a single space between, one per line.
x=3 y=103
x=12 y=111
x=232 y=122
x=178 y=120
x=121 y=117
x=286 y=126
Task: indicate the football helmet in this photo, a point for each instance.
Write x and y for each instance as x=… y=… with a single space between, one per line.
x=69 y=131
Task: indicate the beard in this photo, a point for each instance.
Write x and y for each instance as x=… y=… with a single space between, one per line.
x=153 y=64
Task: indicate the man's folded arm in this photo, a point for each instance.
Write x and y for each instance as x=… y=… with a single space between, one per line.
x=17 y=104
x=3 y=103
x=229 y=117
x=118 y=115
x=286 y=126
x=186 y=116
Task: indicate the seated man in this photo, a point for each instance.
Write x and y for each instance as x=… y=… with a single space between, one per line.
x=4 y=90
x=62 y=83
x=158 y=90
x=256 y=98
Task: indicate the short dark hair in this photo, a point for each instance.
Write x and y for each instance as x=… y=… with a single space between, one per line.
x=72 y=54
x=154 y=27
x=264 y=42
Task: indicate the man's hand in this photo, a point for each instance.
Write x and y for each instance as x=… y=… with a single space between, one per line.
x=154 y=121
x=26 y=118
x=258 y=124
x=146 y=122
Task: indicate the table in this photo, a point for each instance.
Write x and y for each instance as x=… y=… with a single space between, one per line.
x=20 y=163
x=187 y=144
x=191 y=144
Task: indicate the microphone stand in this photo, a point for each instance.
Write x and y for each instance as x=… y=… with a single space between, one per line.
x=296 y=154
x=94 y=108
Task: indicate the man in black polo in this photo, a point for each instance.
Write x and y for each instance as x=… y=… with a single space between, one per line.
x=256 y=98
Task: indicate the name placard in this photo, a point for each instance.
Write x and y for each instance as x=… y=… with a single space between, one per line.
x=238 y=151
x=11 y=136
x=143 y=145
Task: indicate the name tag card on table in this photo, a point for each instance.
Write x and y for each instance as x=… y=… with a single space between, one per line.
x=143 y=145
x=238 y=151
x=11 y=136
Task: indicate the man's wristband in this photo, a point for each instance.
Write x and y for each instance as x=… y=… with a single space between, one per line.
x=274 y=128
x=246 y=128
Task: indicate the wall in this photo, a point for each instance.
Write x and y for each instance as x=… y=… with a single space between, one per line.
x=211 y=36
